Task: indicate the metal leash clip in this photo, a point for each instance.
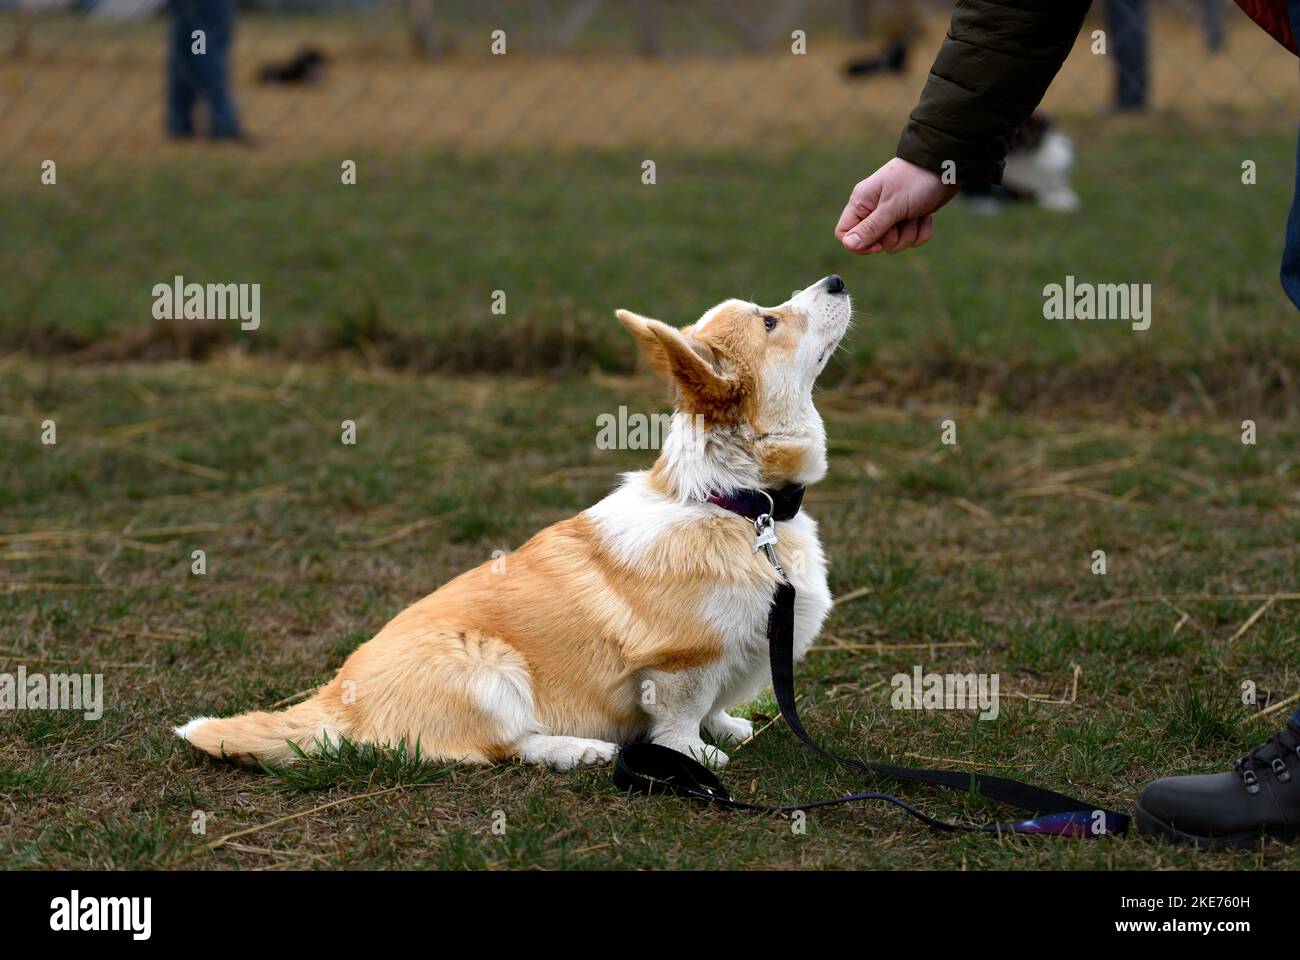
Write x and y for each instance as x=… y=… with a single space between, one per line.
x=765 y=535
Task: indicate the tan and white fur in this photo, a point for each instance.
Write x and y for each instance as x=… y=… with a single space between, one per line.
x=642 y=617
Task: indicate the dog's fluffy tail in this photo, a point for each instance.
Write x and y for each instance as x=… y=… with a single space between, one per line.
x=266 y=736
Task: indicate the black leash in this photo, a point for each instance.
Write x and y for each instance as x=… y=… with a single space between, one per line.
x=650 y=768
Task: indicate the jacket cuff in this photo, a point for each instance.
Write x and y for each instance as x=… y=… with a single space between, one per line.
x=931 y=148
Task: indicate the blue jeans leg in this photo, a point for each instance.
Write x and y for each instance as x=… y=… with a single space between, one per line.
x=218 y=17
x=182 y=87
x=1291 y=249
x=1127 y=21
x=206 y=75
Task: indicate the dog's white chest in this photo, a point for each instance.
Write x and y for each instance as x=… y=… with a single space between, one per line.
x=739 y=612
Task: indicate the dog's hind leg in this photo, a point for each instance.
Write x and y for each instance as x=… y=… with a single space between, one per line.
x=460 y=694
x=564 y=753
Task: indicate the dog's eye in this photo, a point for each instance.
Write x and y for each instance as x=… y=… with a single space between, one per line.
x=769 y=323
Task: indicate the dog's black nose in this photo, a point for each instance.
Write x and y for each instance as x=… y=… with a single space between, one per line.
x=834 y=284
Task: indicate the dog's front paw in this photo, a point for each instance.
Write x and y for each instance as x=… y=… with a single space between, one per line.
x=722 y=726
x=700 y=751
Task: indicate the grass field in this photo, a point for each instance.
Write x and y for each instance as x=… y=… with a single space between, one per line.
x=403 y=266
x=974 y=558
x=476 y=429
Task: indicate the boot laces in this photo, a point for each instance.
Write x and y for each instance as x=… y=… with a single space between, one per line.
x=1246 y=766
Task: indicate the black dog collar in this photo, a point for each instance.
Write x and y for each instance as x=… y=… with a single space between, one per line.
x=779 y=504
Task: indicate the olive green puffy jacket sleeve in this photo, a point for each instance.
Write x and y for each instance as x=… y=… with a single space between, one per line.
x=993 y=68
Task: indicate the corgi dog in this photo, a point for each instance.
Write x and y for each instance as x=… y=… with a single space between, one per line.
x=643 y=617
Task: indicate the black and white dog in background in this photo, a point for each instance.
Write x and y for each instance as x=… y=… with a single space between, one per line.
x=1038 y=168
x=1038 y=163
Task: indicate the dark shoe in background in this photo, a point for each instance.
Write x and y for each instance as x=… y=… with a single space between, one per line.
x=240 y=139
x=305 y=66
x=1259 y=798
x=892 y=60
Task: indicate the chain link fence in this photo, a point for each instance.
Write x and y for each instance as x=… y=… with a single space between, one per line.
x=575 y=157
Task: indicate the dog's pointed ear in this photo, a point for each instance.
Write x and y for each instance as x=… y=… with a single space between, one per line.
x=680 y=360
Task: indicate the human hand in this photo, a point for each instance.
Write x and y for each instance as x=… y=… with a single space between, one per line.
x=890 y=211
